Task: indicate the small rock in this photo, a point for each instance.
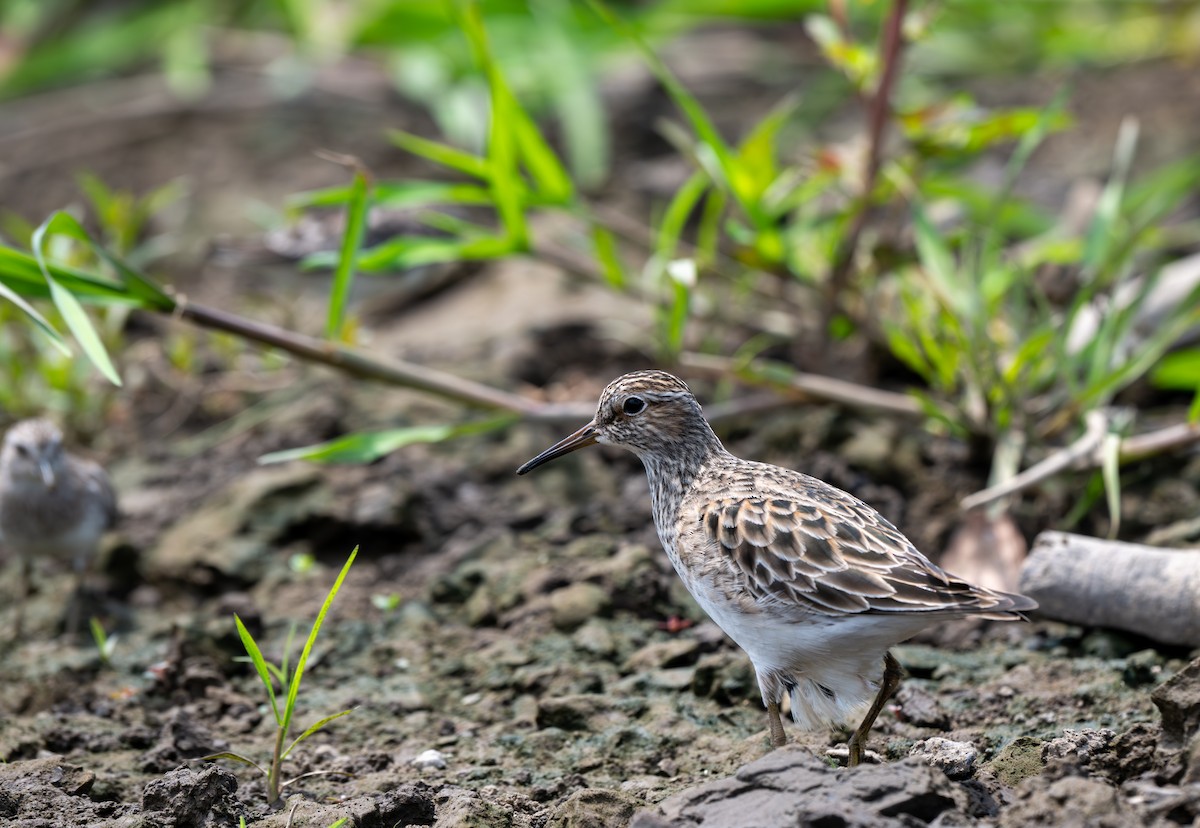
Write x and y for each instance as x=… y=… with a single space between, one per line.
x=181 y=739
x=575 y=604
x=187 y=797
x=430 y=759
x=480 y=610
x=790 y=786
x=678 y=678
x=1178 y=701
x=1142 y=668
x=459 y=808
x=1078 y=746
x=594 y=808
x=594 y=637
x=1072 y=800
x=677 y=652
x=920 y=708
x=955 y=759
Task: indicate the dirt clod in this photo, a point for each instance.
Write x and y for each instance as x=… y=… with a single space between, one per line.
x=1178 y=700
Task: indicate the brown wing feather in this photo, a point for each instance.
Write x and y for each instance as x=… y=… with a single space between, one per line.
x=835 y=554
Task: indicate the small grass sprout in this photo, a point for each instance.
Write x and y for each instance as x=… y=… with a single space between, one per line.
x=105 y=643
x=268 y=673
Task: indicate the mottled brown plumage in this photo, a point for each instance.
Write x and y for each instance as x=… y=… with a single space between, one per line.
x=52 y=504
x=811 y=582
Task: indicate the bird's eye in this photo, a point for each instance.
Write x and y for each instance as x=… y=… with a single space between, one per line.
x=633 y=405
x=22 y=449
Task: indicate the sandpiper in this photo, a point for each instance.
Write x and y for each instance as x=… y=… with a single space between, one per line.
x=811 y=582
x=52 y=505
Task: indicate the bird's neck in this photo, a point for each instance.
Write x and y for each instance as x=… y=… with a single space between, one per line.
x=671 y=473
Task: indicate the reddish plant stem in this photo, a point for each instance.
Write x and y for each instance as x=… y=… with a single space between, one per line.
x=891 y=48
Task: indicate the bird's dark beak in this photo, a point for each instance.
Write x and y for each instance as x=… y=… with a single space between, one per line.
x=47 y=472
x=586 y=436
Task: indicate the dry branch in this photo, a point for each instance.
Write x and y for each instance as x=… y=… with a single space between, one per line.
x=1086 y=452
x=1141 y=589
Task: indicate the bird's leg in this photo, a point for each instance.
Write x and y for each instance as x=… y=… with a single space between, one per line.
x=75 y=607
x=24 y=587
x=892 y=673
x=775 y=724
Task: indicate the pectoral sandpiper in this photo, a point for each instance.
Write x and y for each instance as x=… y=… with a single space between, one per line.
x=811 y=582
x=52 y=505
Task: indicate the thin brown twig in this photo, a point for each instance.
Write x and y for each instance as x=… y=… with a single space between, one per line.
x=814 y=385
x=392 y=372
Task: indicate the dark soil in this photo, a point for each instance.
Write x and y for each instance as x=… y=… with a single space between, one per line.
x=516 y=651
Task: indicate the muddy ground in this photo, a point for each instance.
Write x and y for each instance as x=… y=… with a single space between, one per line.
x=516 y=651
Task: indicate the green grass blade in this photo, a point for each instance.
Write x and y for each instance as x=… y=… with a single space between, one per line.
x=396 y=194
x=604 y=244
x=235 y=758
x=21 y=272
x=938 y=263
x=406 y=252
x=343 y=275
x=260 y=664
x=294 y=687
x=503 y=172
x=313 y=729
x=1101 y=232
x=442 y=154
x=680 y=208
x=72 y=312
x=723 y=164
x=366 y=447
x=513 y=134
x=38 y=320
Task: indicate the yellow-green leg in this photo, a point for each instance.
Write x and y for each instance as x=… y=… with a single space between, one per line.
x=778 y=737
x=892 y=673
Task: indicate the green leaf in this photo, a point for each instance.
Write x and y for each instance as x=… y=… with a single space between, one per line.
x=40 y=321
x=366 y=447
x=443 y=154
x=343 y=276
x=260 y=664
x=72 y=312
x=938 y=263
x=233 y=757
x=756 y=167
x=313 y=729
x=1178 y=371
x=294 y=688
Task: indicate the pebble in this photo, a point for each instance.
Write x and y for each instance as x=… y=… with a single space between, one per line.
x=576 y=603
x=430 y=759
x=955 y=759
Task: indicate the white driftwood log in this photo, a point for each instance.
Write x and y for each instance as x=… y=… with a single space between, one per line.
x=1143 y=589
